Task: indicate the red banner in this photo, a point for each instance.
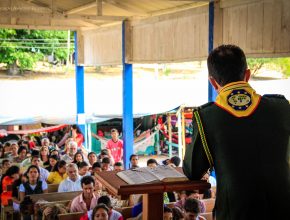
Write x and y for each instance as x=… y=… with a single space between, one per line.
x=33 y=131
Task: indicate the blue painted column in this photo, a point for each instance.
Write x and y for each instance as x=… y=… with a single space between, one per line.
x=212 y=94
x=211 y=91
x=80 y=93
x=128 y=136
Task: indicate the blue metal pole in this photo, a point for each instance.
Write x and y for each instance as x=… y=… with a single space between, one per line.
x=212 y=94
x=128 y=136
x=211 y=91
x=80 y=92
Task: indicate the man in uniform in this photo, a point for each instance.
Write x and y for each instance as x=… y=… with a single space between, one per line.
x=245 y=137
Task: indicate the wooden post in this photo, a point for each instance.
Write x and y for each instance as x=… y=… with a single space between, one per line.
x=68 y=49
x=152 y=206
x=218 y=24
x=79 y=42
x=170 y=135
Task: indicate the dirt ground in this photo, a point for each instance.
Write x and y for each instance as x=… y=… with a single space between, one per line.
x=45 y=71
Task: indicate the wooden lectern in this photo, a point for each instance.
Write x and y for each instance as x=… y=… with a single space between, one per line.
x=152 y=192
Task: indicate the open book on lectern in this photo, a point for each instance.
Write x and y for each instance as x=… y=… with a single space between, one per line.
x=149 y=175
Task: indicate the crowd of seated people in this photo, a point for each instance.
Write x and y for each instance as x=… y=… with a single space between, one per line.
x=30 y=167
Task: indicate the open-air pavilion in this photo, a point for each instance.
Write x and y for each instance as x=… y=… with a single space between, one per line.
x=110 y=32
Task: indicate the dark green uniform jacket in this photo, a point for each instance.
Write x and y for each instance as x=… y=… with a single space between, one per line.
x=250 y=156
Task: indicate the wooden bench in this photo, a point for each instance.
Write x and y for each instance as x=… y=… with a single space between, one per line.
x=52 y=188
x=207 y=215
x=63 y=202
x=62 y=198
x=51 y=197
x=5 y=210
x=125 y=211
x=209 y=204
x=70 y=216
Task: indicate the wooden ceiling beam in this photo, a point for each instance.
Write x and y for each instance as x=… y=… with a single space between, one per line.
x=62 y=17
x=115 y=3
x=185 y=0
x=81 y=8
x=39 y=27
x=99 y=7
x=118 y=4
x=178 y=8
x=52 y=8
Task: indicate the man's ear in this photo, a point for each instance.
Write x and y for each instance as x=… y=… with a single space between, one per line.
x=213 y=83
x=247 y=75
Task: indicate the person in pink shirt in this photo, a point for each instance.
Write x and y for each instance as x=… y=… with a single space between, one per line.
x=115 y=147
x=87 y=200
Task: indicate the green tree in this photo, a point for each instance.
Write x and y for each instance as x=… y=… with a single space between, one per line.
x=23 y=48
x=281 y=64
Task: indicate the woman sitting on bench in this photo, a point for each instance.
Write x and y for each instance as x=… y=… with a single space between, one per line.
x=33 y=185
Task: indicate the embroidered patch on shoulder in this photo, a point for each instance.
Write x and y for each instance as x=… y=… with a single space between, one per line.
x=239 y=99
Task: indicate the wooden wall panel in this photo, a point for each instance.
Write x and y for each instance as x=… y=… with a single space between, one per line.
x=268 y=28
x=285 y=26
x=254 y=39
x=176 y=37
x=260 y=27
x=103 y=46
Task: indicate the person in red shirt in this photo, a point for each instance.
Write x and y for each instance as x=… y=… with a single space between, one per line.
x=77 y=135
x=115 y=146
x=9 y=177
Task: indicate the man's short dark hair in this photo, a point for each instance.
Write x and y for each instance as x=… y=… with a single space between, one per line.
x=105 y=200
x=35 y=153
x=5 y=161
x=133 y=155
x=175 y=160
x=61 y=164
x=226 y=64
x=21 y=148
x=150 y=161
x=35 y=156
x=82 y=164
x=192 y=205
x=96 y=164
x=106 y=160
x=118 y=164
x=189 y=192
x=86 y=180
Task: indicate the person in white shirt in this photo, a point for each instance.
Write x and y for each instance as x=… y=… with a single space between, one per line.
x=73 y=181
x=72 y=150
